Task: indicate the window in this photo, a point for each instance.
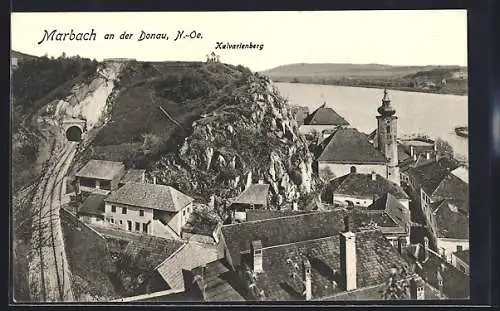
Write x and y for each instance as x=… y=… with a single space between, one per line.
x=184 y=213
x=145 y=228
x=141 y=212
x=112 y=220
x=124 y=210
x=105 y=184
x=137 y=226
x=129 y=225
x=121 y=222
x=113 y=209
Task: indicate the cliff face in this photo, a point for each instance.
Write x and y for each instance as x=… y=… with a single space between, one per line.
x=252 y=137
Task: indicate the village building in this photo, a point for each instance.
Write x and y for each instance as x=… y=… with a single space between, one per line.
x=346 y=265
x=347 y=149
x=360 y=189
x=437 y=271
x=133 y=175
x=462 y=172
x=99 y=176
x=323 y=121
x=253 y=197
x=443 y=200
x=201 y=228
x=460 y=259
x=151 y=209
x=92 y=209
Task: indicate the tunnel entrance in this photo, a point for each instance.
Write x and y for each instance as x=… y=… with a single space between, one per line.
x=74 y=133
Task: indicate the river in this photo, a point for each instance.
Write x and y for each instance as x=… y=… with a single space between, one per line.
x=435 y=115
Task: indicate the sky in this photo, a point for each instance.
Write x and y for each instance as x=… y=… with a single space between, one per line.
x=437 y=37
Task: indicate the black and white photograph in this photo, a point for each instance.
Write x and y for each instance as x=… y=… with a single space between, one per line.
x=214 y=157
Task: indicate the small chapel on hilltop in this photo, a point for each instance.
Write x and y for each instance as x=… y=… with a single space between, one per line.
x=347 y=150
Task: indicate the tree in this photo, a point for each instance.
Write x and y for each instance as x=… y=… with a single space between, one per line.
x=443 y=148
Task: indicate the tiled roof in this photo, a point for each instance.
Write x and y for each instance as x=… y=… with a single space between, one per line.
x=362 y=185
x=348 y=145
x=372 y=135
x=254 y=194
x=100 y=169
x=188 y=257
x=463 y=255
x=430 y=175
x=262 y=214
x=153 y=196
x=462 y=173
x=133 y=175
x=220 y=282
x=375 y=257
x=374 y=293
x=452 y=187
x=325 y=116
x=455 y=283
x=451 y=219
x=282 y=230
x=402 y=153
x=93 y=205
x=393 y=208
x=199 y=223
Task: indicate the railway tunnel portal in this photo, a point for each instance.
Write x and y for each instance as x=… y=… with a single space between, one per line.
x=74 y=129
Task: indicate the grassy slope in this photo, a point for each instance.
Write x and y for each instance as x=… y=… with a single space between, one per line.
x=138 y=131
x=372 y=75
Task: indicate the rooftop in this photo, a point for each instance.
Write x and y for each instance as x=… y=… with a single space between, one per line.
x=93 y=205
x=100 y=169
x=362 y=185
x=152 y=196
x=375 y=257
x=452 y=219
x=133 y=175
x=429 y=176
x=348 y=145
x=262 y=214
x=199 y=223
x=325 y=116
x=254 y=194
x=462 y=173
x=393 y=208
x=463 y=255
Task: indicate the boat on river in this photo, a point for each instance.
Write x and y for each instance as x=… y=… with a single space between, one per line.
x=462 y=131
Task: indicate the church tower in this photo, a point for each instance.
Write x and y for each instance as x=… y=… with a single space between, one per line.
x=386 y=140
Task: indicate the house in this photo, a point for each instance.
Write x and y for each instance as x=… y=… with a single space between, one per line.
x=201 y=228
x=460 y=259
x=253 y=197
x=437 y=271
x=450 y=222
x=346 y=150
x=360 y=189
x=99 y=176
x=348 y=265
x=300 y=114
x=433 y=183
x=321 y=120
x=133 y=175
x=148 y=208
x=92 y=209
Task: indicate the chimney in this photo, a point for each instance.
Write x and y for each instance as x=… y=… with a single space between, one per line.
x=427 y=155
x=401 y=244
x=154 y=179
x=256 y=252
x=353 y=169
x=348 y=256
x=307 y=279
x=414 y=157
x=374 y=176
x=459 y=248
x=412 y=152
x=417 y=291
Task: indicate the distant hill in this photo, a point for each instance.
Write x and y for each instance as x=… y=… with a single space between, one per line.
x=436 y=79
x=21 y=56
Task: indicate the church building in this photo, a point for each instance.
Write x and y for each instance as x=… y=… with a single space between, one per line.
x=347 y=149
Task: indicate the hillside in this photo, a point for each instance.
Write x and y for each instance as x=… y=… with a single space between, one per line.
x=435 y=79
x=21 y=57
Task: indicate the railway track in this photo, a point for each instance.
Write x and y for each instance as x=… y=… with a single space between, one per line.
x=54 y=283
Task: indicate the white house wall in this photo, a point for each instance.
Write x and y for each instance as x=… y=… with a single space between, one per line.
x=132 y=214
x=343 y=169
x=450 y=246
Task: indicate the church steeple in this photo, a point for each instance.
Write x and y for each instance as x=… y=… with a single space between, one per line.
x=386 y=109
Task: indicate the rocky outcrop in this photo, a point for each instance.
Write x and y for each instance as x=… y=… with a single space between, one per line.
x=252 y=137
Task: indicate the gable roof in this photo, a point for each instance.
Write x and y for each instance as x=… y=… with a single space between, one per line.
x=325 y=116
x=348 y=145
x=152 y=196
x=133 y=175
x=362 y=185
x=101 y=169
x=462 y=173
x=254 y=194
x=281 y=230
x=262 y=214
x=190 y=256
x=430 y=175
x=452 y=219
x=391 y=206
x=375 y=256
